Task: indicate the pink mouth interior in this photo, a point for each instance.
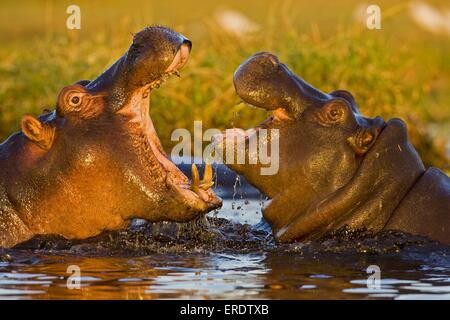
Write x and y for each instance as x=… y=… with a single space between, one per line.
x=138 y=114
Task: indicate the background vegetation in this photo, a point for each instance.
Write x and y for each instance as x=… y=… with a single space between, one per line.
x=402 y=70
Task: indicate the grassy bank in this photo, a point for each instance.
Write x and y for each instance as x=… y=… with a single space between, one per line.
x=400 y=71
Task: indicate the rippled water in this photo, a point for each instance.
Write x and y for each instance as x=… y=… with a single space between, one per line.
x=251 y=267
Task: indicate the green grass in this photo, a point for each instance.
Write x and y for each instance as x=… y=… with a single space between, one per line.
x=399 y=71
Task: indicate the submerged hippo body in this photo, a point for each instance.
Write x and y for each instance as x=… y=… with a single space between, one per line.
x=96 y=162
x=336 y=167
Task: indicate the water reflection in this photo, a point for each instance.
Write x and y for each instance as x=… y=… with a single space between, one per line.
x=220 y=276
x=258 y=275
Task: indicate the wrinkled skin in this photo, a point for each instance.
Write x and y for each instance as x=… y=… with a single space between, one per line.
x=96 y=162
x=336 y=167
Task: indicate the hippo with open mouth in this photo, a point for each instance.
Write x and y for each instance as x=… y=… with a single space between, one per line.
x=336 y=167
x=96 y=162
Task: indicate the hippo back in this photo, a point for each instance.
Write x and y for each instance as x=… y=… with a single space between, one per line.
x=426 y=208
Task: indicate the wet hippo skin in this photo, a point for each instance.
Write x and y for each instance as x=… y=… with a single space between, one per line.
x=336 y=167
x=96 y=162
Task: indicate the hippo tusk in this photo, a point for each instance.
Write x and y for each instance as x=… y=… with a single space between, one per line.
x=207 y=181
x=195 y=178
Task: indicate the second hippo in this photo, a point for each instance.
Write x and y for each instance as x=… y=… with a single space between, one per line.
x=336 y=167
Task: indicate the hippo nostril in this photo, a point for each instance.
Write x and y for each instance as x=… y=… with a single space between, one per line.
x=263 y=58
x=274 y=60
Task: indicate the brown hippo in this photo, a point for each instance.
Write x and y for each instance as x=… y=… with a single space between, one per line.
x=336 y=167
x=96 y=162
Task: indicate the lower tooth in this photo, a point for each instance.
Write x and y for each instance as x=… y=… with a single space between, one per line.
x=195 y=179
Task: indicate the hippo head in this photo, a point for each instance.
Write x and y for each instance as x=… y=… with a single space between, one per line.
x=97 y=157
x=336 y=167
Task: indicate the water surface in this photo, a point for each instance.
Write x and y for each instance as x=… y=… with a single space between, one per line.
x=251 y=267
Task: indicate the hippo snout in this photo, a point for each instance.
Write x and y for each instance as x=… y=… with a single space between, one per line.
x=257 y=81
x=154 y=53
x=265 y=82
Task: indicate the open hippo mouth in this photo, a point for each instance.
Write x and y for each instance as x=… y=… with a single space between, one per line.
x=336 y=167
x=196 y=193
x=155 y=55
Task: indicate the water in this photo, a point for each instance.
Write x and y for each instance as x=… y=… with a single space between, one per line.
x=216 y=276
x=245 y=264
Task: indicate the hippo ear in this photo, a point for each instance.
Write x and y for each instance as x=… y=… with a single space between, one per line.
x=83 y=83
x=344 y=94
x=42 y=134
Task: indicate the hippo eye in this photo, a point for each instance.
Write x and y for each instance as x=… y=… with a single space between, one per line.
x=75 y=100
x=335 y=114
